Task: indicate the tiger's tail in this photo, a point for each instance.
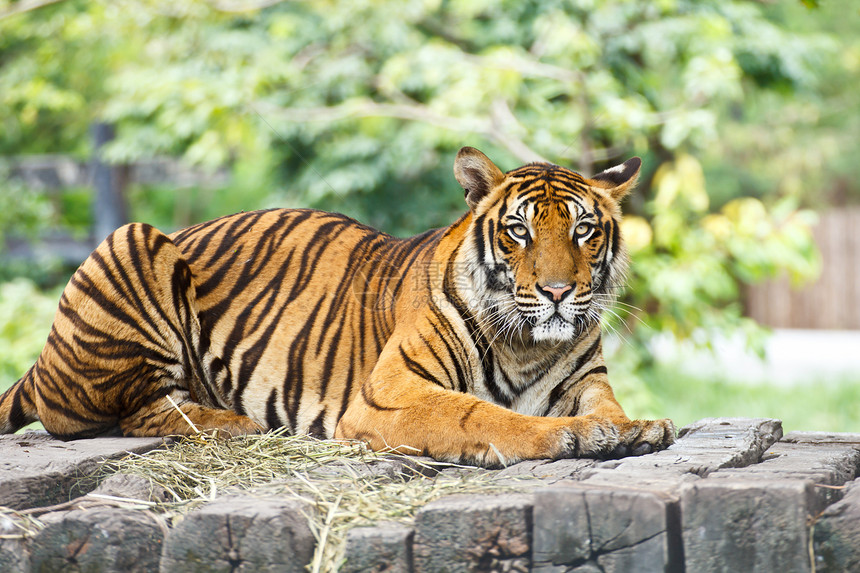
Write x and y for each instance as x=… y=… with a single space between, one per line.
x=17 y=405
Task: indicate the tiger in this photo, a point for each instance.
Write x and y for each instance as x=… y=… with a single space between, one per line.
x=477 y=343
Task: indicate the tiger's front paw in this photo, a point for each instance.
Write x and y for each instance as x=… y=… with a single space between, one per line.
x=587 y=437
x=640 y=437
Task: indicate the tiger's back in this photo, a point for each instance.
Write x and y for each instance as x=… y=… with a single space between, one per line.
x=299 y=305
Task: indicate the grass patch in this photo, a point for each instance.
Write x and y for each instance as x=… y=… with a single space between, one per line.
x=325 y=475
x=819 y=405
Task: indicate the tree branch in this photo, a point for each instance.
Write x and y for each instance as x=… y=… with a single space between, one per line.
x=246 y=6
x=496 y=128
x=528 y=67
x=25 y=6
x=503 y=125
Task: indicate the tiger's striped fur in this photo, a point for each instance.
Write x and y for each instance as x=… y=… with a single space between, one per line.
x=476 y=343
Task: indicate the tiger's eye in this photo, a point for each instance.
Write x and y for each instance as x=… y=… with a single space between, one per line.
x=519 y=231
x=583 y=229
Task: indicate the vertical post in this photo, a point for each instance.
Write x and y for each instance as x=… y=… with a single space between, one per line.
x=110 y=209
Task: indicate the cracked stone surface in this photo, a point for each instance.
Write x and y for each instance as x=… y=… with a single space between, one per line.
x=474 y=533
x=241 y=534
x=614 y=529
x=701 y=448
x=807 y=456
x=729 y=495
x=837 y=534
x=385 y=547
x=38 y=470
x=746 y=525
x=107 y=539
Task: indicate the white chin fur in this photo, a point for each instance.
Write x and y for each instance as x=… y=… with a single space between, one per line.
x=555 y=329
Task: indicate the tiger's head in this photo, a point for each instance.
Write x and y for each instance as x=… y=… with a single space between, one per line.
x=543 y=255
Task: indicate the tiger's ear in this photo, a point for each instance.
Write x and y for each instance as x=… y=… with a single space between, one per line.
x=476 y=174
x=619 y=180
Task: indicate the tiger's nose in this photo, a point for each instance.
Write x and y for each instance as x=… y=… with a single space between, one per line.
x=555 y=293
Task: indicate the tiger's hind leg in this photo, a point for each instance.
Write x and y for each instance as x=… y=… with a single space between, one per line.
x=125 y=336
x=177 y=415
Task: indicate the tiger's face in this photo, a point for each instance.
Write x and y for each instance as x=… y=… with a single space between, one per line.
x=544 y=254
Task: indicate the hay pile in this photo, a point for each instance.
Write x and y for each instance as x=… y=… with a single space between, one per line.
x=328 y=476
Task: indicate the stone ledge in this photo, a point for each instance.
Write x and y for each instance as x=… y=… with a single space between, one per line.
x=241 y=533
x=474 y=532
x=38 y=470
x=730 y=494
x=385 y=547
x=836 y=534
x=608 y=528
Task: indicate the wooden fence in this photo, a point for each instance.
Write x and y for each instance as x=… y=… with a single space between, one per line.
x=54 y=173
x=831 y=302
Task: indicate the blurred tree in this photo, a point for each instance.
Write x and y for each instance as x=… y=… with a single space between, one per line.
x=360 y=106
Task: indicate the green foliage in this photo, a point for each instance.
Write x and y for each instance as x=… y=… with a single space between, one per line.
x=24 y=312
x=22 y=211
x=690 y=263
x=830 y=407
x=27 y=213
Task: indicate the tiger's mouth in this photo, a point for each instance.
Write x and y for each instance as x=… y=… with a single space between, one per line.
x=553 y=329
x=562 y=323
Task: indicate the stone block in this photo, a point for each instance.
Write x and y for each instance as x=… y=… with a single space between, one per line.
x=548 y=471
x=241 y=534
x=14 y=544
x=474 y=533
x=724 y=442
x=581 y=528
x=392 y=466
x=701 y=448
x=834 y=462
x=130 y=486
x=14 y=556
x=38 y=470
x=836 y=535
x=106 y=539
x=820 y=438
x=827 y=464
x=386 y=547
x=751 y=526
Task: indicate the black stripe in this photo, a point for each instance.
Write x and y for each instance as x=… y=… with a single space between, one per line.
x=444 y=328
x=16 y=418
x=465 y=417
x=294 y=382
x=440 y=335
x=70 y=413
x=477 y=338
x=250 y=359
x=225 y=233
x=557 y=392
x=88 y=287
x=273 y=420
x=331 y=356
x=367 y=396
x=595 y=370
x=339 y=306
x=317 y=427
x=142 y=284
x=417 y=369
x=347 y=391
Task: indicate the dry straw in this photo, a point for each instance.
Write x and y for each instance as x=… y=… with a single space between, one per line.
x=330 y=477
